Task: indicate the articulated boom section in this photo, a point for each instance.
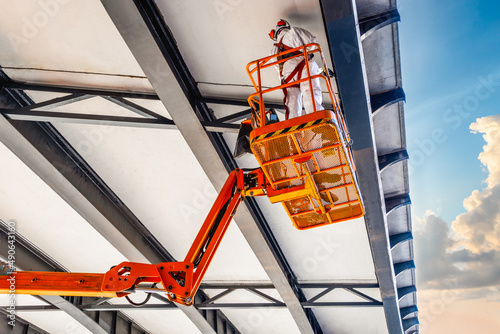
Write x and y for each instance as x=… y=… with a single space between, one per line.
x=179 y=280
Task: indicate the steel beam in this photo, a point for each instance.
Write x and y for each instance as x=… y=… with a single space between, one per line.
x=243 y=103
x=140 y=110
x=142 y=27
x=214 y=306
x=399 y=238
x=384 y=99
x=386 y=160
x=64 y=174
x=394 y=202
x=324 y=285
x=406 y=311
x=341 y=23
x=368 y=25
x=29 y=257
x=151 y=123
x=232 y=102
x=402 y=266
x=78 y=90
x=409 y=323
x=58 y=101
x=64 y=117
x=406 y=290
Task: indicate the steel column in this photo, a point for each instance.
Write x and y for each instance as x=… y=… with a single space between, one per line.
x=341 y=22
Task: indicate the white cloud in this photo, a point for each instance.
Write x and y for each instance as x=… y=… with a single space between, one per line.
x=490 y=157
x=466 y=253
x=432 y=241
x=479 y=227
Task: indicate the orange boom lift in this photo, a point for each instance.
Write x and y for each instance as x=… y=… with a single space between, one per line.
x=305 y=163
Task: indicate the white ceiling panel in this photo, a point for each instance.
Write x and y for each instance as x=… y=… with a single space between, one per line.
x=46 y=220
x=223 y=37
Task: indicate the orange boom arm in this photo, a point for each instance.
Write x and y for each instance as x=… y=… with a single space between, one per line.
x=180 y=280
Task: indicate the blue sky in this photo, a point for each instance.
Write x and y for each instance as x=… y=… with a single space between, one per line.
x=450 y=51
x=449 y=48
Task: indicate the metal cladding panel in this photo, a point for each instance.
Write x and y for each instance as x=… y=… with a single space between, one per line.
x=402 y=252
x=407 y=300
x=388 y=124
x=398 y=220
x=395 y=180
x=48 y=221
x=406 y=278
x=381 y=67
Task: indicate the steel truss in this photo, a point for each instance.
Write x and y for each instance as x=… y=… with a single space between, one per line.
x=361 y=299
x=145 y=117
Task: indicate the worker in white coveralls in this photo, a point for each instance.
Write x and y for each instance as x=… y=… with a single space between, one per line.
x=287 y=38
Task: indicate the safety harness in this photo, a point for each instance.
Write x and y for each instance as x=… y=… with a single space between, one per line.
x=298 y=69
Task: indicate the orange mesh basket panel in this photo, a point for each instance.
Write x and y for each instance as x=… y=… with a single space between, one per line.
x=314 y=142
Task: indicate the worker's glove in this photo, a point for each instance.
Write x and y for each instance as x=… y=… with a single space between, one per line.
x=328 y=72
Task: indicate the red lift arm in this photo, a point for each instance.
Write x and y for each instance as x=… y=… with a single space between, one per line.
x=179 y=280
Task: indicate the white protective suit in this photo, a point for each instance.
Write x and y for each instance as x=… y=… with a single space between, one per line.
x=293 y=38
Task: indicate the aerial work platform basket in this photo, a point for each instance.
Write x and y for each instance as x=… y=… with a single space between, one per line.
x=307 y=160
